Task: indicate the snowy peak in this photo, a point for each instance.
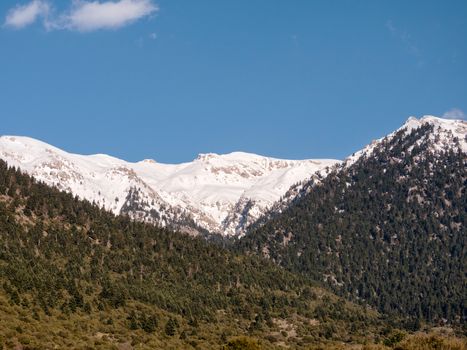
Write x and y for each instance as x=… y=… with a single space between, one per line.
x=456 y=126
x=446 y=134
x=219 y=193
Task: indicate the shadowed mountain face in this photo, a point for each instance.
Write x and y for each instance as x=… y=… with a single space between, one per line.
x=216 y=193
x=387 y=227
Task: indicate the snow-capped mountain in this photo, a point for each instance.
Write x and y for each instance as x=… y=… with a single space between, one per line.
x=388 y=223
x=447 y=134
x=219 y=193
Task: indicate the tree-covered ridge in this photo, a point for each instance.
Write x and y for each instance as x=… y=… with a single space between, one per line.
x=105 y=280
x=389 y=230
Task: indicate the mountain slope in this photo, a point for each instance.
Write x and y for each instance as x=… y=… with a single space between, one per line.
x=447 y=134
x=218 y=193
x=388 y=227
x=75 y=276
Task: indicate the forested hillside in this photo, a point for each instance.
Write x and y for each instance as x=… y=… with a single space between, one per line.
x=75 y=276
x=388 y=229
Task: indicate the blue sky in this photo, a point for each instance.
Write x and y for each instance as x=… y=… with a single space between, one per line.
x=170 y=79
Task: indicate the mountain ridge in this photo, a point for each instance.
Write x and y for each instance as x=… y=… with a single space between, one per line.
x=452 y=133
x=215 y=193
x=446 y=128
x=210 y=192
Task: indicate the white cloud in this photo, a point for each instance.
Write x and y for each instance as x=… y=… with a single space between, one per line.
x=455 y=113
x=83 y=16
x=24 y=15
x=89 y=16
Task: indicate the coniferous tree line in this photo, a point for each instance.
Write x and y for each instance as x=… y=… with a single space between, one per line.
x=389 y=230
